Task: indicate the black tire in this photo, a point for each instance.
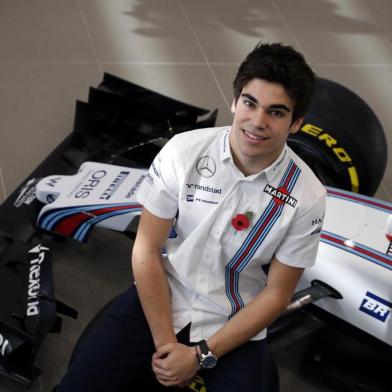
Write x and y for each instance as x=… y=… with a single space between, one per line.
x=342 y=140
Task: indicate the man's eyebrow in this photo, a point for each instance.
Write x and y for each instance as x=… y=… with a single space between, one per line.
x=273 y=106
x=250 y=97
x=280 y=106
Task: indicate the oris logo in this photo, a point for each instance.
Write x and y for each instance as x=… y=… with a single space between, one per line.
x=206 y=166
x=4 y=343
x=90 y=184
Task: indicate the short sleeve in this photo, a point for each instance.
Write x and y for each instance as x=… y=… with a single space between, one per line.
x=300 y=245
x=159 y=190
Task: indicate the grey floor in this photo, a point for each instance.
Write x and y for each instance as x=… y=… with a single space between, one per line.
x=51 y=51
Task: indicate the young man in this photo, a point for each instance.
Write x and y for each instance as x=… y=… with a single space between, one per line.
x=233 y=199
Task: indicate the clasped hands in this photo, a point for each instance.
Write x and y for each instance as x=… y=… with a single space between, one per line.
x=175 y=364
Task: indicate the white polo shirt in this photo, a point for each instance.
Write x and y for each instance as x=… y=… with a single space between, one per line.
x=214 y=269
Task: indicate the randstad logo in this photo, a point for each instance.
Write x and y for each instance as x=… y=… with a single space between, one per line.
x=375 y=306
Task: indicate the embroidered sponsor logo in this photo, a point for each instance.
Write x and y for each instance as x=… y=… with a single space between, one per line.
x=225 y=143
x=114 y=185
x=280 y=195
x=4 y=343
x=26 y=194
x=135 y=187
x=34 y=280
x=192 y=198
x=206 y=166
x=316 y=231
x=149 y=179
x=206 y=201
x=154 y=168
x=376 y=307
x=204 y=188
x=317 y=221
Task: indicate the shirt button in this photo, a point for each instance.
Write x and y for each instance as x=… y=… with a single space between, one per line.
x=202 y=280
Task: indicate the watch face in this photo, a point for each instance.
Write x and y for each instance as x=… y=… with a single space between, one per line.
x=208 y=361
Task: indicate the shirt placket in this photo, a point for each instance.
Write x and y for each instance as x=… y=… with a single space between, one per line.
x=210 y=255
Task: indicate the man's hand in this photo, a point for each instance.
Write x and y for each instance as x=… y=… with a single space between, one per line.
x=175 y=364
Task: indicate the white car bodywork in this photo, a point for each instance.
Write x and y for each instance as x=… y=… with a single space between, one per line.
x=354 y=258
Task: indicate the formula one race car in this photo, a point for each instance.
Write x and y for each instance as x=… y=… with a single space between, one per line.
x=90 y=180
x=353 y=273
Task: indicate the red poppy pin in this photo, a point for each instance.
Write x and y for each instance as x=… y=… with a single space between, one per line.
x=242 y=221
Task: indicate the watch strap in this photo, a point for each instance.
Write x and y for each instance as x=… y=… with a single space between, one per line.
x=204 y=347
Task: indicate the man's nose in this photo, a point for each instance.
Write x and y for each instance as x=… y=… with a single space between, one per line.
x=260 y=119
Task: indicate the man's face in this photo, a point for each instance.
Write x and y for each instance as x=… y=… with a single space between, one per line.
x=262 y=122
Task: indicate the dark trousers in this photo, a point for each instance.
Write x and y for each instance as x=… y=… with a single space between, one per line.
x=115 y=355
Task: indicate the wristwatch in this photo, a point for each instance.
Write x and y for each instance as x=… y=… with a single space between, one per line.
x=207 y=359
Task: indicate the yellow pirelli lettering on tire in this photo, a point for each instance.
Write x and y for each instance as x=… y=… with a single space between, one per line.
x=311 y=129
x=341 y=153
x=337 y=150
x=328 y=139
x=354 y=179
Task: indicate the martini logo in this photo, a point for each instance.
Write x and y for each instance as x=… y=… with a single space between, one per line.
x=34 y=279
x=3 y=345
x=280 y=195
x=376 y=307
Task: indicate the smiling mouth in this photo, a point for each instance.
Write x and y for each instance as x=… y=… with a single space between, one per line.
x=254 y=137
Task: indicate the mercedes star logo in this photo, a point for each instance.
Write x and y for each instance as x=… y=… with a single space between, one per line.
x=206 y=166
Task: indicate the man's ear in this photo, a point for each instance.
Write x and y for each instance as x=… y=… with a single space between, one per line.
x=233 y=105
x=296 y=125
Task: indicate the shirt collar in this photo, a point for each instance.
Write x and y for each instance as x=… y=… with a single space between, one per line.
x=279 y=164
x=224 y=145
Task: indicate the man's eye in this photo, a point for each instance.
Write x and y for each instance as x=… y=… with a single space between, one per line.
x=277 y=113
x=248 y=103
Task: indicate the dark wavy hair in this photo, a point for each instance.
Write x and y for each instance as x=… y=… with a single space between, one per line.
x=281 y=64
